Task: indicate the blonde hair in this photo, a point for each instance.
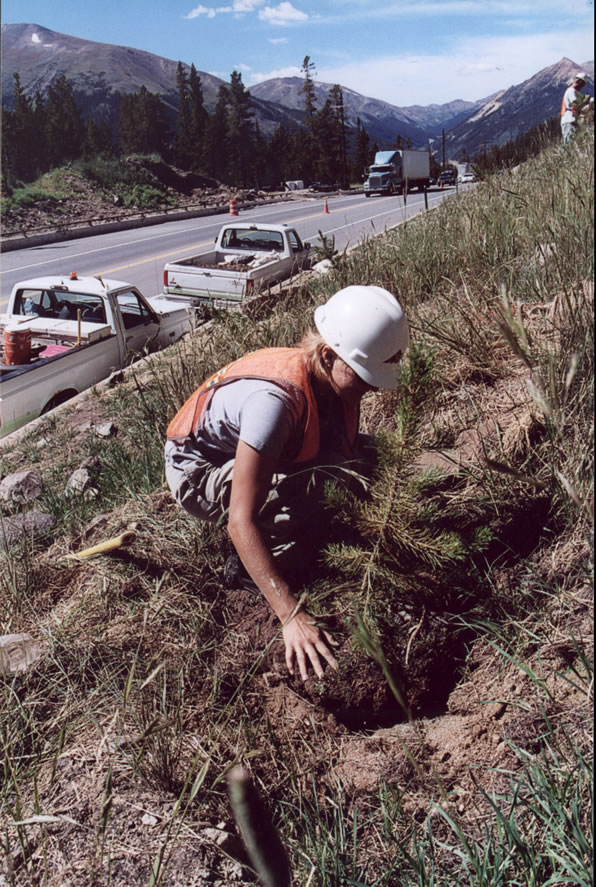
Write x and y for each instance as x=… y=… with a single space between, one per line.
x=312 y=343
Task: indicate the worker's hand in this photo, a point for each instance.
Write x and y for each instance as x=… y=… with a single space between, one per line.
x=305 y=641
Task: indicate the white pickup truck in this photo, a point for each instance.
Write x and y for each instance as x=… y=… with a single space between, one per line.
x=247 y=258
x=81 y=330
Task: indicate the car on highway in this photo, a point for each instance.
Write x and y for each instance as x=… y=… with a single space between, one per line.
x=447 y=177
x=323 y=188
x=467 y=177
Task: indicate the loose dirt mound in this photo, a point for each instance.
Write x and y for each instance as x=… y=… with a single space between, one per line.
x=87 y=204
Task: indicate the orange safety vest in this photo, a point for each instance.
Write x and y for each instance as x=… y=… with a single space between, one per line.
x=285 y=367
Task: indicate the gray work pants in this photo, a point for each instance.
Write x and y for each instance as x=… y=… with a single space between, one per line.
x=567 y=130
x=288 y=519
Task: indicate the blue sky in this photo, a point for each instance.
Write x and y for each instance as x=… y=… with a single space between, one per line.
x=407 y=52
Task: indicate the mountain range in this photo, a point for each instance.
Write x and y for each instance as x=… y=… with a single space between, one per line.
x=101 y=73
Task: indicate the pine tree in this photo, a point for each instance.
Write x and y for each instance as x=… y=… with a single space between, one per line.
x=143 y=125
x=308 y=90
x=98 y=139
x=325 y=135
x=64 y=127
x=362 y=152
x=278 y=155
x=183 y=136
x=308 y=142
x=240 y=132
x=198 y=119
x=20 y=144
x=216 y=142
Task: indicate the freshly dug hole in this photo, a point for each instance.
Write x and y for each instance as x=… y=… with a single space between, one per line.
x=359 y=695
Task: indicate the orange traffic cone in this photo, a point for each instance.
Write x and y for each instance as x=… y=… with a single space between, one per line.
x=326 y=207
x=233 y=207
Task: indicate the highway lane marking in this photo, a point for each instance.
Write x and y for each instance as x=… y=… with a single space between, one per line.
x=197 y=246
x=89 y=252
x=154 y=258
x=188 y=251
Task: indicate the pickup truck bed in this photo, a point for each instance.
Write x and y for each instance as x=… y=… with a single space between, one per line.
x=247 y=257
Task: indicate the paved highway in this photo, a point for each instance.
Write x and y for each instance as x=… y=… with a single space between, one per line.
x=138 y=255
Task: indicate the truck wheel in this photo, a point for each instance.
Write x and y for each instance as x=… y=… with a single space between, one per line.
x=366 y=194
x=58 y=399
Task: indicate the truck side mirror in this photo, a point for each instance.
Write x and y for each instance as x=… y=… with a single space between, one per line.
x=306 y=244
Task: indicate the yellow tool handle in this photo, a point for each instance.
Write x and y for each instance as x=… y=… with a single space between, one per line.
x=126 y=538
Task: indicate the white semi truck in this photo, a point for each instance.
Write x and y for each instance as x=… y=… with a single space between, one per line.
x=394 y=172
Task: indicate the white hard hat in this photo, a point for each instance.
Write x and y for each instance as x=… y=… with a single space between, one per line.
x=367 y=328
x=581 y=75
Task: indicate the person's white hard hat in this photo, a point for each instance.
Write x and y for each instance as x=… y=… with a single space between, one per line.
x=367 y=328
x=581 y=75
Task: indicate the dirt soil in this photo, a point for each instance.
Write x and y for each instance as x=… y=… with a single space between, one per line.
x=87 y=205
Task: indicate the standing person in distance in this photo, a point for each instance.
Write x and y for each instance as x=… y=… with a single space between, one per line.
x=571 y=106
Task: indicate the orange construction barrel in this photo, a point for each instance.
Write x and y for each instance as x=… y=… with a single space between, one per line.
x=17 y=345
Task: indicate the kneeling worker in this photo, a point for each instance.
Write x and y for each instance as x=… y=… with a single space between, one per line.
x=244 y=443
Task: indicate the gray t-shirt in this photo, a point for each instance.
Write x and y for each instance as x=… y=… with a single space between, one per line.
x=257 y=412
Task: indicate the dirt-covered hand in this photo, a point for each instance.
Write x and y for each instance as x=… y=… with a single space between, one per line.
x=306 y=642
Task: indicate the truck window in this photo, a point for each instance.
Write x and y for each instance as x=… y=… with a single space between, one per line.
x=251 y=239
x=60 y=305
x=33 y=303
x=295 y=241
x=134 y=312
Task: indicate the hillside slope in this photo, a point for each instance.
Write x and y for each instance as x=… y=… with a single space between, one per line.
x=454 y=744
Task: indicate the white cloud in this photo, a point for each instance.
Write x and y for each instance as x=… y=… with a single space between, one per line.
x=290 y=71
x=239 y=8
x=198 y=11
x=283 y=14
x=247 y=5
x=277 y=41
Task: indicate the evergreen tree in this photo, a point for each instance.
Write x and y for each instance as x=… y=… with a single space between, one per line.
x=216 y=142
x=183 y=135
x=327 y=149
x=362 y=153
x=241 y=151
x=198 y=119
x=64 y=127
x=98 y=139
x=20 y=145
x=278 y=157
x=307 y=142
x=260 y=154
x=143 y=125
x=302 y=156
x=336 y=97
x=308 y=90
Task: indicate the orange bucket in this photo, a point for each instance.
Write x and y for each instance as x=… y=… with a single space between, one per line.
x=17 y=346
